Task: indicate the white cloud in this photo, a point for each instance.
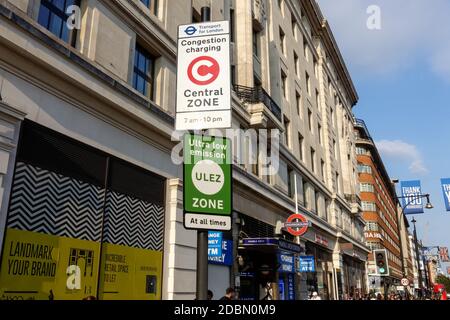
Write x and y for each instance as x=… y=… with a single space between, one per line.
x=404 y=152
x=412 y=32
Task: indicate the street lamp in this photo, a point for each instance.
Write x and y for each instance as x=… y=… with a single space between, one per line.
x=411 y=199
x=428 y=205
x=419 y=272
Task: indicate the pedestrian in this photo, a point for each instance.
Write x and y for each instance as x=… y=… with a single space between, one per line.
x=229 y=294
x=315 y=296
x=379 y=296
x=210 y=295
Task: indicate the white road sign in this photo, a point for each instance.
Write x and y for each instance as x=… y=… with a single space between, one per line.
x=203 y=76
x=405 y=282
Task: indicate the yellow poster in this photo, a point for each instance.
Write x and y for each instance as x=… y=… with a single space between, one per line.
x=40 y=266
x=130 y=273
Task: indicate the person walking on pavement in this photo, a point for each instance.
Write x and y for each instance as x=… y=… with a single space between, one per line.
x=315 y=296
x=229 y=294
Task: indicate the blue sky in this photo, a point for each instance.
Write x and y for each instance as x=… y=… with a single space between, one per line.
x=402 y=75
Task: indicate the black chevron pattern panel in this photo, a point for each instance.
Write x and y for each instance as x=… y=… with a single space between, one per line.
x=47 y=202
x=133 y=222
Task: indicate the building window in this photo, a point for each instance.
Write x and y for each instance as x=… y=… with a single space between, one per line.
x=318 y=99
x=143 y=72
x=332 y=117
x=364 y=169
x=366 y=187
x=361 y=151
x=52 y=16
x=282 y=41
x=335 y=149
x=369 y=206
x=371 y=226
x=319 y=133
x=298 y=99
x=310 y=120
x=313 y=160
x=232 y=25
x=316 y=68
x=287 y=133
x=256 y=43
x=290 y=182
x=305 y=50
x=308 y=83
x=306 y=202
x=322 y=169
x=294 y=28
x=338 y=183
x=281 y=5
x=233 y=76
x=301 y=141
x=152 y=5
x=297 y=64
x=284 y=84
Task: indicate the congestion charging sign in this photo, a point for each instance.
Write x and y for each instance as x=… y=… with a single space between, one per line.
x=207 y=183
x=203 y=76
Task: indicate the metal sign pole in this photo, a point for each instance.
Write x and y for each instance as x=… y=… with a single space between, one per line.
x=202 y=235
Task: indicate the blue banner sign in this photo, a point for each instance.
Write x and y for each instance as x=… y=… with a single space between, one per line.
x=226 y=258
x=446 y=190
x=291 y=287
x=306 y=264
x=412 y=201
x=214 y=244
x=286 y=262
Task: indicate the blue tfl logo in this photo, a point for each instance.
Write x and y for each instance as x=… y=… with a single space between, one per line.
x=190 y=30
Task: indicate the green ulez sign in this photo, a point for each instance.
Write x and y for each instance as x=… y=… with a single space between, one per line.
x=207 y=182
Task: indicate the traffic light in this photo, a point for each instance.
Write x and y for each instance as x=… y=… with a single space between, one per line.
x=381 y=262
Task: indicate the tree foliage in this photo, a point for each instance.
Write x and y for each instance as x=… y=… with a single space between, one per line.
x=444 y=280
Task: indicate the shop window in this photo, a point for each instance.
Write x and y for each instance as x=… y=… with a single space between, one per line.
x=144 y=64
x=53 y=17
x=103 y=216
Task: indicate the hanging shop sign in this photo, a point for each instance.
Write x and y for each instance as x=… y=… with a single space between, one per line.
x=214 y=244
x=286 y=263
x=297 y=225
x=226 y=258
x=306 y=264
x=321 y=240
x=207 y=183
x=203 y=76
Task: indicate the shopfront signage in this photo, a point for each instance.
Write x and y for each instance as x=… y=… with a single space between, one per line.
x=290 y=246
x=214 y=244
x=286 y=262
x=297 y=225
x=203 y=76
x=226 y=258
x=321 y=240
x=207 y=183
x=373 y=235
x=280 y=243
x=291 y=287
x=306 y=264
x=260 y=241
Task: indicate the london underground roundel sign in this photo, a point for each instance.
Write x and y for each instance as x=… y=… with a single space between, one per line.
x=297 y=225
x=203 y=70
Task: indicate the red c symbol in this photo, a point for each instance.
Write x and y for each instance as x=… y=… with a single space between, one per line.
x=203 y=70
